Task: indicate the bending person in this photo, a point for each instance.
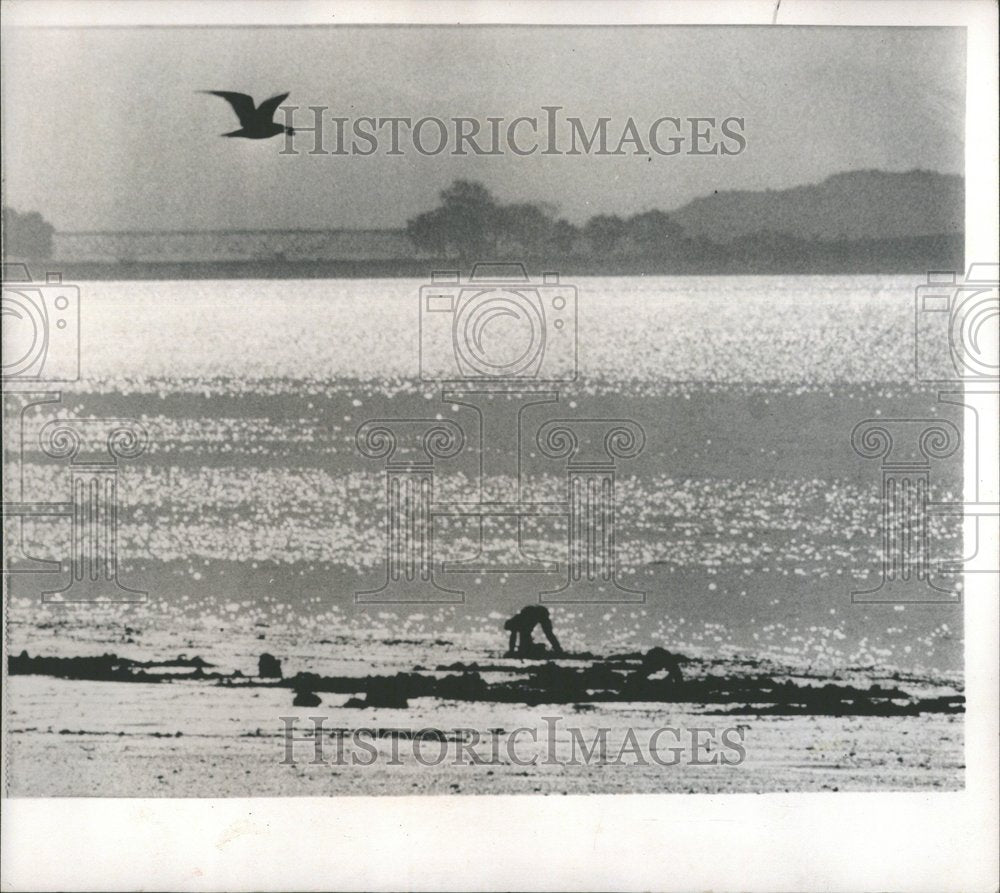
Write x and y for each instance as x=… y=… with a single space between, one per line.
x=523 y=624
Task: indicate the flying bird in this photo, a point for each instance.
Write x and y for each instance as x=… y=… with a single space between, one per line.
x=256 y=122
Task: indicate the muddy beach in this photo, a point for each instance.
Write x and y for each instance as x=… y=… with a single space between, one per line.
x=179 y=726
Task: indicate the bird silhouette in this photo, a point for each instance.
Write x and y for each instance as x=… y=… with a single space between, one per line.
x=256 y=122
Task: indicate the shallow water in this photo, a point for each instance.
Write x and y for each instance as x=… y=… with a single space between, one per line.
x=804 y=330
x=747 y=521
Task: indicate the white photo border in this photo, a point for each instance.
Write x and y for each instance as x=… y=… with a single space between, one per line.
x=766 y=842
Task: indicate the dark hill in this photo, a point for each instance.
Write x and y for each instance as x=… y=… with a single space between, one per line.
x=851 y=206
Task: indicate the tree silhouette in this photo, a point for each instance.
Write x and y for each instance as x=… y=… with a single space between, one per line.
x=26 y=235
x=604 y=232
x=653 y=232
x=563 y=237
x=468 y=222
x=526 y=227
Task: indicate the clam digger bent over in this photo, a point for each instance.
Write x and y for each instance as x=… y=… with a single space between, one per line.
x=522 y=625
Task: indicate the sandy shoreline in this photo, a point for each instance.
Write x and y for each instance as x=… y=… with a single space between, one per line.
x=182 y=741
x=183 y=728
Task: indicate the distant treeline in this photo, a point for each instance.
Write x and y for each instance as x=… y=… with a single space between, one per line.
x=914 y=256
x=26 y=235
x=470 y=225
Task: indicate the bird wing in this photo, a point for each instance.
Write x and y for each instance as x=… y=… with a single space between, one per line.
x=241 y=103
x=269 y=106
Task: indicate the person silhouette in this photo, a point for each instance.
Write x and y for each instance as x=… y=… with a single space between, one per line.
x=523 y=624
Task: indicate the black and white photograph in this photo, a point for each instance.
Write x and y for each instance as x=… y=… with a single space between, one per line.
x=465 y=407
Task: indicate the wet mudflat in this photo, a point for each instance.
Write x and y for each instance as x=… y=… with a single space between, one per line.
x=108 y=726
x=181 y=741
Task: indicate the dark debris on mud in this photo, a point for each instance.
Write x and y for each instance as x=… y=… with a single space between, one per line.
x=655 y=676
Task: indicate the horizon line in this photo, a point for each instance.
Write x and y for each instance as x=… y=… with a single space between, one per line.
x=402 y=227
x=229 y=232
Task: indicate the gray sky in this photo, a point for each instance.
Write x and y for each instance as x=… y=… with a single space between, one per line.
x=103 y=128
